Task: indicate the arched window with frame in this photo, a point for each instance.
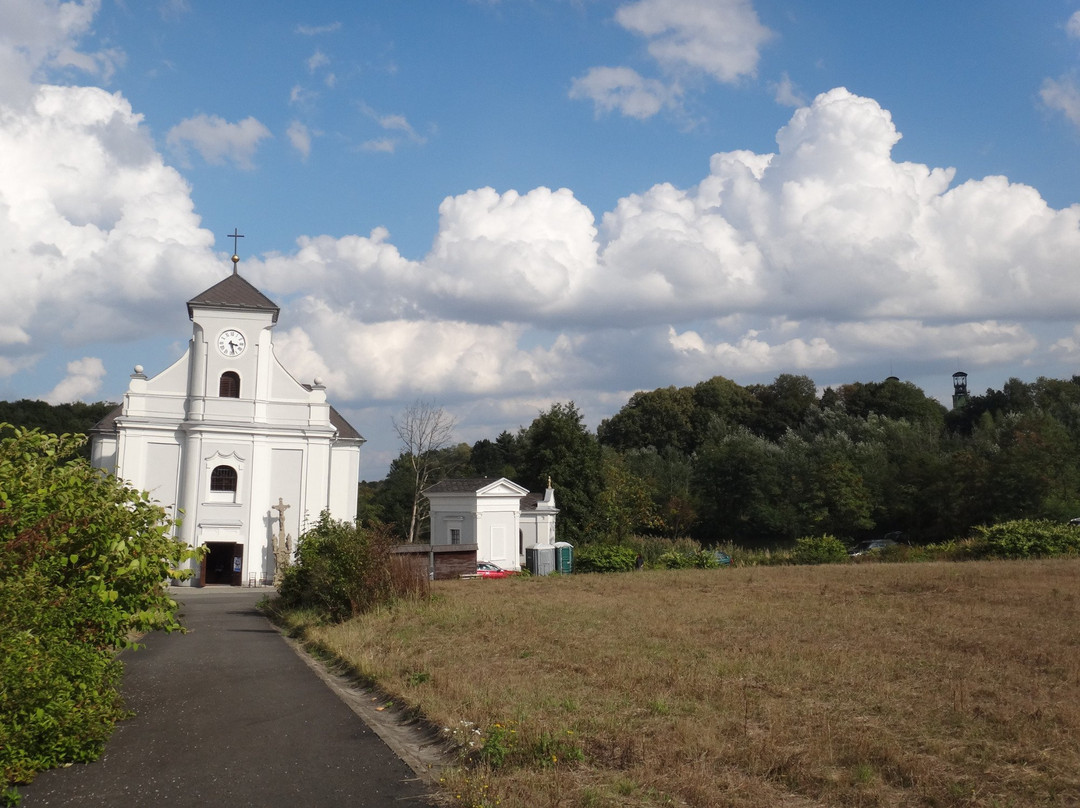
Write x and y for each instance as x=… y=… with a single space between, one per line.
x=223 y=479
x=229 y=385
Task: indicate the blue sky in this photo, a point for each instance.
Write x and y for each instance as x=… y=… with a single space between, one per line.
x=497 y=205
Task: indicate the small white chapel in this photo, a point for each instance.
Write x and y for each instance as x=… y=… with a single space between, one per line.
x=232 y=445
x=503 y=519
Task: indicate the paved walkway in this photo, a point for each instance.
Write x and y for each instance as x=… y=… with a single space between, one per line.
x=230 y=715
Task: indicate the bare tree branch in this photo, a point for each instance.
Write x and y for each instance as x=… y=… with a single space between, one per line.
x=423 y=430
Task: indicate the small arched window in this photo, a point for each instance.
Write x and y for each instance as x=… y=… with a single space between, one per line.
x=229 y=386
x=223 y=478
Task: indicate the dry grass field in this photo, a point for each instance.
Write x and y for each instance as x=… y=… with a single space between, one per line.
x=942 y=684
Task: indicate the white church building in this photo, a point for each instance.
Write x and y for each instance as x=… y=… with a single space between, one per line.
x=225 y=434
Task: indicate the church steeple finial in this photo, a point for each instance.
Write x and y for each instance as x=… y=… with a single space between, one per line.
x=235 y=235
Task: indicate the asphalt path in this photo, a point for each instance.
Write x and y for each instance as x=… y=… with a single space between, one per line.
x=230 y=715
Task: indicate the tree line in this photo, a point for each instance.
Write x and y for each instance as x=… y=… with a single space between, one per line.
x=759 y=464
x=764 y=464
x=74 y=418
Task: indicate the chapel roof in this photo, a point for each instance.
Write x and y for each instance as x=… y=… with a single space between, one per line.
x=234 y=293
x=461 y=485
x=530 y=500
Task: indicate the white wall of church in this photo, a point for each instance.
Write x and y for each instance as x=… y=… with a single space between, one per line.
x=344 y=482
x=103 y=454
x=163 y=474
x=286 y=483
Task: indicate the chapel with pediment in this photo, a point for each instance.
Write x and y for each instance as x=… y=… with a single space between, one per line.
x=230 y=443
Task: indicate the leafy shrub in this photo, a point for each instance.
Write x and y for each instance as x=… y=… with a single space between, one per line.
x=820 y=550
x=700 y=559
x=952 y=550
x=1027 y=538
x=345 y=569
x=605 y=558
x=83 y=566
x=760 y=557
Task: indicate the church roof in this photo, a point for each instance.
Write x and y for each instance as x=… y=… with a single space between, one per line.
x=233 y=293
x=108 y=422
x=343 y=427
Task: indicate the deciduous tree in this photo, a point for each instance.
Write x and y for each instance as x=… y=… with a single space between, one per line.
x=423 y=430
x=558 y=445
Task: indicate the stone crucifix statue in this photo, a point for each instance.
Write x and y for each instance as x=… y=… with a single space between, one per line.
x=282 y=548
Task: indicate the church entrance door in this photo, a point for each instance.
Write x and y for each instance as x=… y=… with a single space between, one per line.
x=223 y=564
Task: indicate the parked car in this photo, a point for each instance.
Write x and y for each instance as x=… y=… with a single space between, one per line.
x=485 y=569
x=869 y=546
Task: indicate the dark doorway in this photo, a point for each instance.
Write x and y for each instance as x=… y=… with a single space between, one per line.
x=223 y=564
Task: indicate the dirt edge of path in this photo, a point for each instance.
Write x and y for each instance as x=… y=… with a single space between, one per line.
x=419 y=744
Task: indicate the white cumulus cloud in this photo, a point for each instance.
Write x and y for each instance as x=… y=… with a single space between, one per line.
x=1062 y=95
x=82 y=383
x=44 y=34
x=94 y=224
x=217 y=141
x=1072 y=27
x=827 y=254
x=623 y=89
x=720 y=39
x=300 y=138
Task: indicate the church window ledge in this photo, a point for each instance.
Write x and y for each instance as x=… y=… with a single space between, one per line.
x=222 y=500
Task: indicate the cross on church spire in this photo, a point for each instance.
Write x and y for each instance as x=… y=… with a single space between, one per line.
x=235 y=235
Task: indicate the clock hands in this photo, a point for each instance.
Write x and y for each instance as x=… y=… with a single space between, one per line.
x=231 y=343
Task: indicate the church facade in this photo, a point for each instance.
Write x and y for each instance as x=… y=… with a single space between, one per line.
x=229 y=442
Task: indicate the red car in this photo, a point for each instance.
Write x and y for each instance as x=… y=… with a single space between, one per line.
x=485 y=569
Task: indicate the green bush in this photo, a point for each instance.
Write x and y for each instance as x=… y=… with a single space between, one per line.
x=760 y=556
x=344 y=569
x=952 y=550
x=820 y=550
x=1027 y=538
x=699 y=559
x=604 y=558
x=83 y=565
x=652 y=548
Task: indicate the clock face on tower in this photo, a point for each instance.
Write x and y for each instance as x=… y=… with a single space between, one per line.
x=231 y=343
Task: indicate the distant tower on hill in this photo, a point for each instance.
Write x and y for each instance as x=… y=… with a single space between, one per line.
x=960 y=391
